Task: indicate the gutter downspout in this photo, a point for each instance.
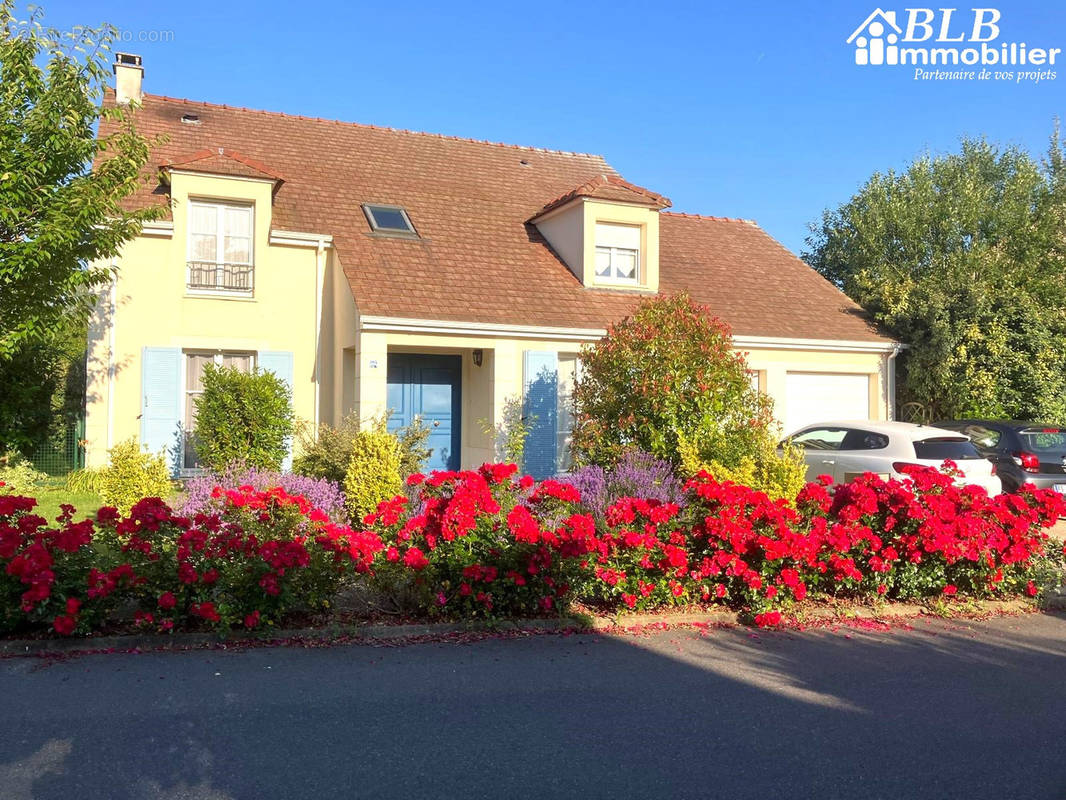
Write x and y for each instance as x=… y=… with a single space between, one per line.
x=320 y=257
x=891 y=387
x=111 y=303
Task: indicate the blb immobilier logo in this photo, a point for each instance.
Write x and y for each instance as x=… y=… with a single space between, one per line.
x=946 y=44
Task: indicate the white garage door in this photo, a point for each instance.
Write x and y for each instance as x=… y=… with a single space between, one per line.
x=822 y=397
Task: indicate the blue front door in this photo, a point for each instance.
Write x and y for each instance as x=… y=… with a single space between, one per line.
x=428 y=387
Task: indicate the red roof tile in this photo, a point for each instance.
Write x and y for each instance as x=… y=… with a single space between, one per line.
x=609 y=187
x=219 y=161
x=477 y=258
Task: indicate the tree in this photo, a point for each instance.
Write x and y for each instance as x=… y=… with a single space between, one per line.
x=61 y=189
x=42 y=390
x=242 y=416
x=665 y=375
x=961 y=257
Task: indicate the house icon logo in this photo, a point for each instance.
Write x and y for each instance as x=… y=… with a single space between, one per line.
x=876 y=39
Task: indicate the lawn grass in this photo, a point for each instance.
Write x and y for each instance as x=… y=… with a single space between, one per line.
x=54 y=493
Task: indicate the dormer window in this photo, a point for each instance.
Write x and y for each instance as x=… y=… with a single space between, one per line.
x=388 y=219
x=220 y=247
x=617 y=253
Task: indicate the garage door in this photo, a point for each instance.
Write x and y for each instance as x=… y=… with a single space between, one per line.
x=823 y=397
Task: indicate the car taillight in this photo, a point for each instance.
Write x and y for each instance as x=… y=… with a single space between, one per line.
x=994 y=472
x=1030 y=462
x=902 y=466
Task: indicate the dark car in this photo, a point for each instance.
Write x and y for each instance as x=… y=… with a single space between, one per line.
x=1023 y=452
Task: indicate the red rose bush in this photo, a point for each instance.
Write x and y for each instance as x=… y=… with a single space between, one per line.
x=488 y=543
x=264 y=555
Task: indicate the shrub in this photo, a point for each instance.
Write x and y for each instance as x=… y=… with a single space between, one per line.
x=131 y=474
x=472 y=543
x=487 y=543
x=780 y=475
x=86 y=480
x=668 y=372
x=327 y=454
x=200 y=496
x=637 y=474
x=243 y=416
x=263 y=555
x=373 y=473
x=509 y=436
x=19 y=476
x=46 y=573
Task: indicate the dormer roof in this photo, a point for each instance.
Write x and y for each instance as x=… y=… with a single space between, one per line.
x=220 y=161
x=609 y=187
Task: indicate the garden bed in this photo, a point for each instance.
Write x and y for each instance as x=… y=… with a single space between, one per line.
x=486 y=545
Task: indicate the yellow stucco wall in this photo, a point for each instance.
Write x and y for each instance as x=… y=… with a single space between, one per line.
x=153 y=308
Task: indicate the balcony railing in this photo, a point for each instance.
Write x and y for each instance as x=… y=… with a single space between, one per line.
x=219 y=277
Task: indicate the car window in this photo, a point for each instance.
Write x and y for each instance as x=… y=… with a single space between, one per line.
x=864 y=440
x=983 y=436
x=820 y=438
x=939 y=448
x=1044 y=440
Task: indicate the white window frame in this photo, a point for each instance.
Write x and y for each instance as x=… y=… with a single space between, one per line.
x=217 y=357
x=368 y=209
x=220 y=207
x=612 y=252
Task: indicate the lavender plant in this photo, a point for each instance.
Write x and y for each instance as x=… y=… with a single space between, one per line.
x=322 y=493
x=637 y=474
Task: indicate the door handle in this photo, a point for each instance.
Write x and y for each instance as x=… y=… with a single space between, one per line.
x=827 y=461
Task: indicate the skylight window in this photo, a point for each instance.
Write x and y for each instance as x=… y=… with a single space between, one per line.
x=388 y=219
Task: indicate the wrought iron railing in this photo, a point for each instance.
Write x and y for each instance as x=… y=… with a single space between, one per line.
x=214 y=276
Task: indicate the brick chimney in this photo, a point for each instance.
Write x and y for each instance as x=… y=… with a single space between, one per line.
x=129 y=74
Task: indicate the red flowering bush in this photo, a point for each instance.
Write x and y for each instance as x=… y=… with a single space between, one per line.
x=48 y=575
x=265 y=553
x=922 y=537
x=482 y=542
x=488 y=543
x=476 y=543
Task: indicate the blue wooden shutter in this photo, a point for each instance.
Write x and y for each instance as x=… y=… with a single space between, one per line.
x=541 y=396
x=280 y=363
x=161 y=401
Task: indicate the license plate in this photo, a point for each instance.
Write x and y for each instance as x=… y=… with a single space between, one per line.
x=1060 y=488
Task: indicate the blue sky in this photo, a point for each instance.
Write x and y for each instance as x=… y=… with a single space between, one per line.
x=752 y=110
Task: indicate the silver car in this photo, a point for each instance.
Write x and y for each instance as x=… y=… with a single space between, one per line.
x=845 y=450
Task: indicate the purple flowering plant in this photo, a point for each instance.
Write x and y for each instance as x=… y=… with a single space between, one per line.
x=322 y=493
x=637 y=474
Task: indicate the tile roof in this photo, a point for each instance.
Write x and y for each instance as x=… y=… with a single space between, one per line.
x=220 y=161
x=609 y=187
x=478 y=259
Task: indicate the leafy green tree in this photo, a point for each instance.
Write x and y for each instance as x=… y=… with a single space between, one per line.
x=42 y=390
x=961 y=257
x=242 y=416
x=61 y=189
x=667 y=375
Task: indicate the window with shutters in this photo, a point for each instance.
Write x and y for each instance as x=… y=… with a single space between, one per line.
x=220 y=248
x=617 y=253
x=195 y=361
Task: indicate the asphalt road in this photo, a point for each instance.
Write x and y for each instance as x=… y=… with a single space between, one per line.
x=969 y=710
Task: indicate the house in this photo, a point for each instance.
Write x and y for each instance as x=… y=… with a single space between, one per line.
x=377 y=269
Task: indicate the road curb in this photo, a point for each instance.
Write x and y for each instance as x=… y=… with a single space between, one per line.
x=371 y=633
x=129 y=643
